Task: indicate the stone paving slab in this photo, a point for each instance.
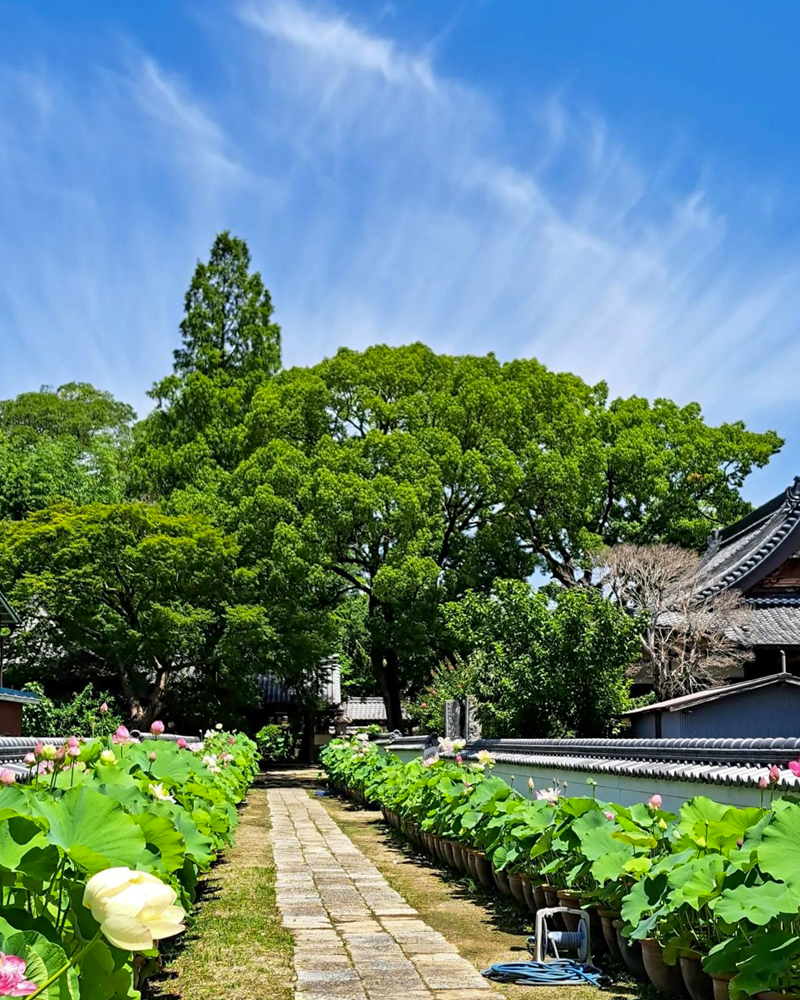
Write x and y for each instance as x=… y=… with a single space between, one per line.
x=355 y=937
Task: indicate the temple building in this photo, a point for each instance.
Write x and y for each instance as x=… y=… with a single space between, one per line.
x=759 y=556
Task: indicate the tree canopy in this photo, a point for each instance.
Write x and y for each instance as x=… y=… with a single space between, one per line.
x=338 y=506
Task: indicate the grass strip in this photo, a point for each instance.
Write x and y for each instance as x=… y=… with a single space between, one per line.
x=237 y=948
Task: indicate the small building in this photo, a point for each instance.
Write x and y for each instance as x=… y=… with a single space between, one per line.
x=761 y=707
x=11 y=701
x=357 y=713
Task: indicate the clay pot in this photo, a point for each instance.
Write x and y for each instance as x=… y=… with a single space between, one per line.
x=721 y=983
x=529 y=894
x=596 y=930
x=501 y=881
x=515 y=885
x=550 y=895
x=566 y=898
x=607 y=918
x=631 y=953
x=482 y=869
x=696 y=980
x=666 y=978
x=539 y=896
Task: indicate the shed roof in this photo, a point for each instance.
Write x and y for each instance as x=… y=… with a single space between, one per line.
x=715 y=693
x=8 y=616
x=21 y=697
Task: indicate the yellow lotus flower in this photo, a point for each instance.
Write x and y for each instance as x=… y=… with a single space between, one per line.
x=158 y=791
x=134 y=909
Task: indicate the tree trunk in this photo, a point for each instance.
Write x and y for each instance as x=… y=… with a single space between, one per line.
x=143 y=714
x=391 y=692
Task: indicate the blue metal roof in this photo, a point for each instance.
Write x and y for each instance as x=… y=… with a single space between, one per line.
x=26 y=697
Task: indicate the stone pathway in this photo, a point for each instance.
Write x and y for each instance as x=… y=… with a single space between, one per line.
x=355 y=937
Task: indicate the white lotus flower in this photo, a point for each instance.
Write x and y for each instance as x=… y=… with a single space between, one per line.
x=485 y=758
x=134 y=909
x=158 y=791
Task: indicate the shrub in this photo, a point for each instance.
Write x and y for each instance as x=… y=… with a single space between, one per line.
x=79 y=715
x=275 y=743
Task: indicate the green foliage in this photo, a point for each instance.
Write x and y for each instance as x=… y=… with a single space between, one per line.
x=451 y=679
x=126 y=591
x=716 y=880
x=82 y=815
x=69 y=443
x=544 y=666
x=79 y=714
x=275 y=743
x=230 y=346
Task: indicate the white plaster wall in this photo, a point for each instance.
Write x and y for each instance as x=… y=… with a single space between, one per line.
x=618 y=788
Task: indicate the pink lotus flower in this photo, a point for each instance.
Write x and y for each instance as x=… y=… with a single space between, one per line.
x=157 y=728
x=61 y=753
x=29 y=760
x=38 y=749
x=231 y=740
x=794 y=767
x=12 y=977
x=609 y=815
x=74 y=751
x=654 y=802
x=103 y=708
x=182 y=744
x=459 y=759
x=72 y=741
x=762 y=782
x=122 y=735
x=46 y=767
x=7 y=778
x=774 y=774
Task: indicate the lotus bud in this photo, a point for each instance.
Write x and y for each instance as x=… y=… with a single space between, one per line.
x=74 y=751
x=61 y=753
x=72 y=741
x=662 y=824
x=103 y=708
x=37 y=750
x=29 y=760
x=232 y=740
x=108 y=757
x=134 y=909
x=739 y=842
x=459 y=759
x=654 y=802
x=774 y=775
x=531 y=784
x=182 y=744
x=48 y=752
x=218 y=725
x=152 y=757
x=609 y=815
x=157 y=728
x=121 y=735
x=762 y=782
x=7 y=777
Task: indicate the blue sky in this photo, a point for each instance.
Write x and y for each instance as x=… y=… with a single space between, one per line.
x=609 y=187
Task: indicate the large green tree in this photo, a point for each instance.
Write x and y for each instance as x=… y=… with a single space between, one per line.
x=66 y=443
x=230 y=345
x=133 y=598
x=407 y=478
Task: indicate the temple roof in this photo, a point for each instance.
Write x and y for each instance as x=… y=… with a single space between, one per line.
x=743 y=554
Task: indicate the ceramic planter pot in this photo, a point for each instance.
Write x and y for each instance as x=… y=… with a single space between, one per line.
x=631 y=952
x=482 y=869
x=550 y=895
x=599 y=946
x=666 y=978
x=566 y=898
x=529 y=894
x=447 y=849
x=515 y=885
x=721 y=983
x=538 y=895
x=607 y=918
x=501 y=881
x=696 y=980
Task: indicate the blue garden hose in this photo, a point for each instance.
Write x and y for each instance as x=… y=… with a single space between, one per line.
x=560 y=972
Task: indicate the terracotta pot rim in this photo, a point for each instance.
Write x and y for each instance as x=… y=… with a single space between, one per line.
x=608 y=914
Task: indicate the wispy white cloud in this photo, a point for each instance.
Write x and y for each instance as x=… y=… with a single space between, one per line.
x=384 y=201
